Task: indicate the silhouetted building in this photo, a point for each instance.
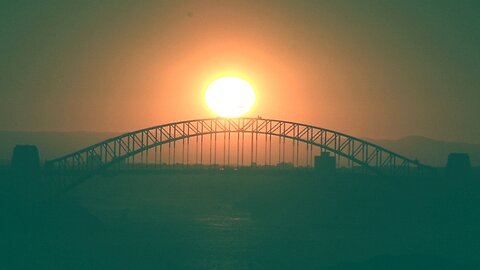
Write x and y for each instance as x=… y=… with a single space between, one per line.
x=325 y=163
x=458 y=165
x=26 y=160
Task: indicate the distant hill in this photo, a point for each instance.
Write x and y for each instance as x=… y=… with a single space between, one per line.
x=55 y=144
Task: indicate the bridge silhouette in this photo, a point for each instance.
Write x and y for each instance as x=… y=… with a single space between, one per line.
x=232 y=142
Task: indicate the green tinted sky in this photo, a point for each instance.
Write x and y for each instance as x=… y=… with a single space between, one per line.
x=382 y=69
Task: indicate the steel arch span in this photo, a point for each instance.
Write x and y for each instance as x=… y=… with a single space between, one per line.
x=93 y=159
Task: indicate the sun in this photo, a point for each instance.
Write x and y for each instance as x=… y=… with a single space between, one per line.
x=230 y=97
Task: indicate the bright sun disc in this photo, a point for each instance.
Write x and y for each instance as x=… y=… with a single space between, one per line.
x=230 y=97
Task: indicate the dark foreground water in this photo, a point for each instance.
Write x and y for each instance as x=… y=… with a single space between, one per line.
x=247 y=221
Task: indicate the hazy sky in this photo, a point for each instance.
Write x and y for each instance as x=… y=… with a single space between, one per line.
x=380 y=69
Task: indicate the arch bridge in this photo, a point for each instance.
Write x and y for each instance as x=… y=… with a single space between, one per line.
x=236 y=142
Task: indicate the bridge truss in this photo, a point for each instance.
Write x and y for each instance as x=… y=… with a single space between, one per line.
x=237 y=142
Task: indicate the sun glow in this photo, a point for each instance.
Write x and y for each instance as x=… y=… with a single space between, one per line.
x=230 y=97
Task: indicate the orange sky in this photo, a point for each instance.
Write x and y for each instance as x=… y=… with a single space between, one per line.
x=367 y=71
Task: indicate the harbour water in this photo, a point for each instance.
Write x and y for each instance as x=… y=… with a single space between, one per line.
x=236 y=221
